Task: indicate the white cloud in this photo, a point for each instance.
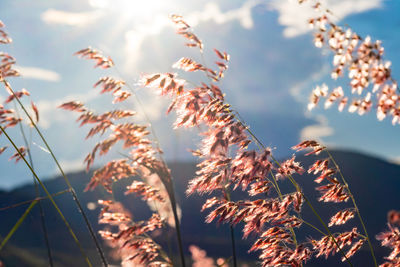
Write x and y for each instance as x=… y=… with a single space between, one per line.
x=135 y=37
x=294 y=16
x=38 y=73
x=317 y=131
x=300 y=92
x=72 y=165
x=53 y=16
x=145 y=27
x=212 y=12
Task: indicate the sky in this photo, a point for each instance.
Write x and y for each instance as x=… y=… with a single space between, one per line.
x=274 y=67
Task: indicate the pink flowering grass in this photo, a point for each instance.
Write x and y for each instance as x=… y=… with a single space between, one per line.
x=230 y=156
x=362 y=61
x=228 y=164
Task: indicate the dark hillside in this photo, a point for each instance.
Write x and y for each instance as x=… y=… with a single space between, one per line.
x=374 y=182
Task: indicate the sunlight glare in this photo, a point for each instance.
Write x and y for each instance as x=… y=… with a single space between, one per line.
x=131 y=9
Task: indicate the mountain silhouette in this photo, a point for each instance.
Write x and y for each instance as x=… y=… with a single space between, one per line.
x=375 y=184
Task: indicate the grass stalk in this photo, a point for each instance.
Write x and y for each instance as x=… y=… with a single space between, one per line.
x=296 y=185
x=37 y=192
x=171 y=193
x=31 y=200
x=233 y=246
x=231 y=227
x=75 y=197
x=45 y=233
x=49 y=196
x=274 y=180
x=17 y=224
x=355 y=206
x=168 y=181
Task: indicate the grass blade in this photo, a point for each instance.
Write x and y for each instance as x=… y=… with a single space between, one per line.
x=355 y=206
x=49 y=196
x=41 y=210
x=75 y=197
x=30 y=201
x=17 y=224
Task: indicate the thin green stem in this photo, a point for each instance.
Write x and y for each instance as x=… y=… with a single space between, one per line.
x=261 y=147
x=314 y=227
x=17 y=224
x=281 y=198
x=154 y=203
x=146 y=117
x=233 y=243
x=233 y=246
x=74 y=195
x=295 y=184
x=42 y=218
x=363 y=236
x=30 y=201
x=49 y=196
x=177 y=223
x=163 y=254
x=205 y=64
x=354 y=204
x=274 y=180
x=168 y=181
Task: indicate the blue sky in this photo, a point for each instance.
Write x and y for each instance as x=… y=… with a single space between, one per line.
x=274 y=66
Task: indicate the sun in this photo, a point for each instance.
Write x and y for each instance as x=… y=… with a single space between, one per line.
x=133 y=20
